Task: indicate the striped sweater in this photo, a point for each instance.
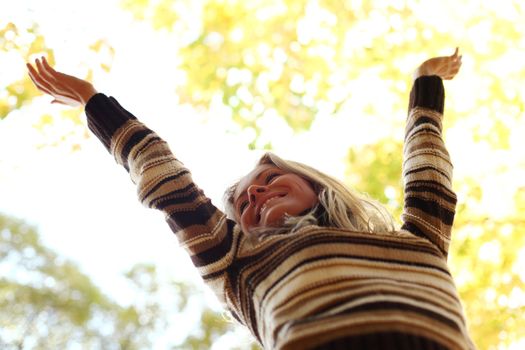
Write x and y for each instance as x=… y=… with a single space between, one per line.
x=320 y=288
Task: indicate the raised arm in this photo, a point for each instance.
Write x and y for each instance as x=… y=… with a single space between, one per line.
x=162 y=181
x=430 y=202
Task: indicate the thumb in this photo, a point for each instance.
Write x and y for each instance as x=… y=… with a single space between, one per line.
x=55 y=101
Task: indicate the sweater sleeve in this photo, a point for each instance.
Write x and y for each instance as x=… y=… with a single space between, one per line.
x=165 y=184
x=430 y=202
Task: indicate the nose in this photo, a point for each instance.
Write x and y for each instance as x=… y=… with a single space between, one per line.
x=254 y=191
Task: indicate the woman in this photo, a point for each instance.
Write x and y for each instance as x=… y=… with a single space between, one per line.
x=301 y=260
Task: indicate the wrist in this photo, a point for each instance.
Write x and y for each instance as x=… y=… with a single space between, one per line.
x=419 y=72
x=86 y=95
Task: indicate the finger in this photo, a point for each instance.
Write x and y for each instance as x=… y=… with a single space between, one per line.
x=31 y=70
x=40 y=83
x=58 y=102
x=46 y=64
x=57 y=83
x=41 y=68
x=52 y=82
x=35 y=78
x=72 y=102
x=46 y=88
x=48 y=68
x=37 y=85
x=44 y=73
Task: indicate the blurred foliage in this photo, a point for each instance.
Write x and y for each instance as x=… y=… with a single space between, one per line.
x=488 y=261
x=300 y=57
x=376 y=170
x=46 y=302
x=20 y=44
x=23 y=43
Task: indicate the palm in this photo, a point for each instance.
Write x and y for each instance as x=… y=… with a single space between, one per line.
x=65 y=89
x=445 y=67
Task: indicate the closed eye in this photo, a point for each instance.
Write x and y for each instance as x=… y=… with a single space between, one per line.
x=270 y=177
x=243 y=206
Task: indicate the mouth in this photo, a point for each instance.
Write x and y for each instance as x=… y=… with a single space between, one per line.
x=265 y=204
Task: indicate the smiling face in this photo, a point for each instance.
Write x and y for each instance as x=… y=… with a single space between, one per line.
x=264 y=196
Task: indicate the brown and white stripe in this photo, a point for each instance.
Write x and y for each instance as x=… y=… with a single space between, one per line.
x=320 y=288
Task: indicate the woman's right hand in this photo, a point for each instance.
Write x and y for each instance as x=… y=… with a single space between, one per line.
x=65 y=89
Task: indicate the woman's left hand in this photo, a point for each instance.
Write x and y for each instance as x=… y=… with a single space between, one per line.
x=446 y=67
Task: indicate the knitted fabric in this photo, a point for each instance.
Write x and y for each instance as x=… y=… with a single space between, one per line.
x=321 y=287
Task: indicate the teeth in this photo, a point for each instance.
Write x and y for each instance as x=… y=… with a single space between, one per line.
x=265 y=203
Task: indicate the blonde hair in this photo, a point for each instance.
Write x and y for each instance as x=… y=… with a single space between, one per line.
x=338 y=206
